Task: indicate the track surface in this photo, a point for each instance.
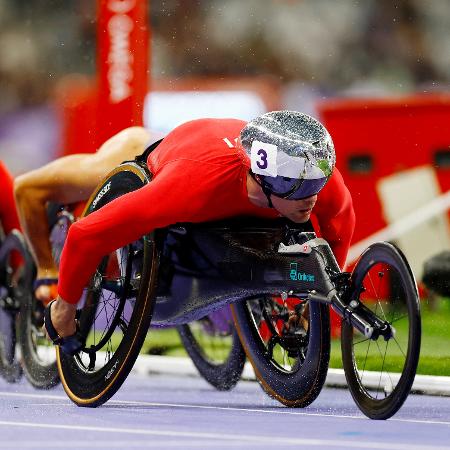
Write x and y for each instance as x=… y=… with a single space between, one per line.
x=173 y=412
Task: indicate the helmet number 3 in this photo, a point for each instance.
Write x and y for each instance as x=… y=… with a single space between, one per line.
x=264 y=158
x=263 y=163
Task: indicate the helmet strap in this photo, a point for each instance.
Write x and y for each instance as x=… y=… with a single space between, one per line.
x=267 y=193
x=264 y=188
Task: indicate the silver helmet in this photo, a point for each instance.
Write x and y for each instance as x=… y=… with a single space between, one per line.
x=292 y=154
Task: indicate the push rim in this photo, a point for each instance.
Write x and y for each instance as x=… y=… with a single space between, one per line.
x=107 y=309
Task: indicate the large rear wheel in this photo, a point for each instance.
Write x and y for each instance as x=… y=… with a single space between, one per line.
x=115 y=319
x=116 y=308
x=380 y=372
x=288 y=344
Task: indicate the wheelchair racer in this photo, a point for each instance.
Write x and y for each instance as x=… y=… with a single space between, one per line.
x=211 y=169
x=67 y=180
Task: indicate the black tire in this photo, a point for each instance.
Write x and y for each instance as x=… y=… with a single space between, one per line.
x=39 y=356
x=10 y=369
x=364 y=359
x=15 y=285
x=308 y=354
x=122 y=292
x=216 y=351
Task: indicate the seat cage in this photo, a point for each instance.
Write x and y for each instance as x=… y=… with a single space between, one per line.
x=205 y=266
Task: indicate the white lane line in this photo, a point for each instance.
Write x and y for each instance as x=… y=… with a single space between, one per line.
x=30 y=395
x=121 y=444
x=281 y=410
x=276 y=440
x=268 y=411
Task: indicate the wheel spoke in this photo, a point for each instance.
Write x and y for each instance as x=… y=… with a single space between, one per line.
x=365 y=359
x=398 y=318
x=361 y=341
x=399 y=347
x=382 y=366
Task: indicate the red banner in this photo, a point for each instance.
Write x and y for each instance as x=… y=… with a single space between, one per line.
x=122 y=64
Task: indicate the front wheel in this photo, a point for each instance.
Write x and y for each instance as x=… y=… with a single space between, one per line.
x=215 y=349
x=380 y=372
x=288 y=345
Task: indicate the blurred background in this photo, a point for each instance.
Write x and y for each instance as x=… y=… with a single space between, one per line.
x=376 y=72
x=296 y=51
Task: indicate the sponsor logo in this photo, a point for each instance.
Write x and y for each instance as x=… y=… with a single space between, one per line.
x=296 y=275
x=111 y=371
x=120 y=59
x=232 y=143
x=102 y=192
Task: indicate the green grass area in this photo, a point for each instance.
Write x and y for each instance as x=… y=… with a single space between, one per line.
x=163 y=342
x=435 y=348
x=158 y=342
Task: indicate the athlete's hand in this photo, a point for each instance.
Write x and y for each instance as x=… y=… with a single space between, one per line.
x=62 y=315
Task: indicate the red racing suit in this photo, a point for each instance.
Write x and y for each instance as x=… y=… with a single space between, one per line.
x=8 y=211
x=199 y=174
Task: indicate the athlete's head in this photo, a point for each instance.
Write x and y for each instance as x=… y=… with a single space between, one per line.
x=292 y=157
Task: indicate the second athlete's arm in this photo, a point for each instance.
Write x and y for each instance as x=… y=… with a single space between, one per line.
x=62 y=181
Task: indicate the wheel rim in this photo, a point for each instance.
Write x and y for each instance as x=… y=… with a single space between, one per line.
x=283 y=330
x=378 y=364
x=107 y=307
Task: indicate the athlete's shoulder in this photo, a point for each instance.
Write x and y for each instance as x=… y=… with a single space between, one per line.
x=334 y=193
x=209 y=126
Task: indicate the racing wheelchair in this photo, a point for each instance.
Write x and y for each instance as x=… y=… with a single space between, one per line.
x=280 y=280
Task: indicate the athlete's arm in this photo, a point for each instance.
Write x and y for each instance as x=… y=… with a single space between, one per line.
x=335 y=216
x=65 y=180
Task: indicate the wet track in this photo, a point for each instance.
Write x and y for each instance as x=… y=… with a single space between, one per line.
x=173 y=412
